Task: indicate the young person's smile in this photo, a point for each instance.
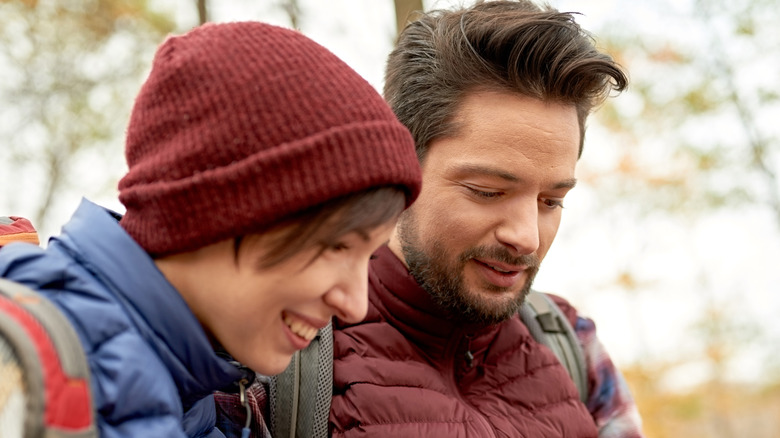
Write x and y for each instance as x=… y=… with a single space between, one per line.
x=301 y=328
x=262 y=314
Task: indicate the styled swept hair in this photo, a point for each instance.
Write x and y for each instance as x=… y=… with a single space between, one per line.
x=505 y=46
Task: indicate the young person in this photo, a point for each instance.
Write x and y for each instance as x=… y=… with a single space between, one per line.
x=262 y=174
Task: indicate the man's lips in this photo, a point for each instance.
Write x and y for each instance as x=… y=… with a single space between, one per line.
x=503 y=268
x=502 y=275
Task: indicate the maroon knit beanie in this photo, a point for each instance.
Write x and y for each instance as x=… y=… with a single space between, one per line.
x=242 y=124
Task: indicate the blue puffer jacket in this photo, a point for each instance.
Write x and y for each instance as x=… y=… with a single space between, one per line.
x=153 y=368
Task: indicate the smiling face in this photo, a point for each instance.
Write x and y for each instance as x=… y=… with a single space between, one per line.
x=491 y=203
x=262 y=315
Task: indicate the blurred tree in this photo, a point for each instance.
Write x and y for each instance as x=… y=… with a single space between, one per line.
x=203 y=11
x=706 y=410
x=698 y=128
x=293 y=11
x=70 y=69
x=696 y=134
x=404 y=12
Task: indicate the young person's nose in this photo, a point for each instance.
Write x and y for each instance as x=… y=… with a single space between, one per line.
x=349 y=297
x=519 y=229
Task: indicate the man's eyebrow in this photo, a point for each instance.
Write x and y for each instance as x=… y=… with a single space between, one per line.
x=476 y=169
x=472 y=169
x=565 y=184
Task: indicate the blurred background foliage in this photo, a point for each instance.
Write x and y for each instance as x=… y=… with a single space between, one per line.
x=697 y=136
x=696 y=139
x=69 y=71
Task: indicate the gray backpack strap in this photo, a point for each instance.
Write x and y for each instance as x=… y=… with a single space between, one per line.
x=301 y=395
x=549 y=326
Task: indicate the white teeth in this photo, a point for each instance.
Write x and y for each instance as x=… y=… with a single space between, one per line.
x=499 y=270
x=300 y=328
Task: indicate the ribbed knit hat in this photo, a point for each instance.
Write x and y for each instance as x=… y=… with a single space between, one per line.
x=242 y=124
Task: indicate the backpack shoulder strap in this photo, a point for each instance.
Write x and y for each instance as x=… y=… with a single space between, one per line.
x=549 y=326
x=301 y=395
x=45 y=377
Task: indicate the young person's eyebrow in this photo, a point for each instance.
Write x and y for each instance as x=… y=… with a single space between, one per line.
x=361 y=232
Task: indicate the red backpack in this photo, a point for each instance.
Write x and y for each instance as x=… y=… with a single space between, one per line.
x=44 y=376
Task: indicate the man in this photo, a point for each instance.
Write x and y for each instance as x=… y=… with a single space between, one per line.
x=496 y=96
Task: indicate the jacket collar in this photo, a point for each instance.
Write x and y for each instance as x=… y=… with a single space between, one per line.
x=94 y=237
x=401 y=300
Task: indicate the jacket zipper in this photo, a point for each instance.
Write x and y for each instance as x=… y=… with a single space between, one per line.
x=452 y=357
x=245 y=403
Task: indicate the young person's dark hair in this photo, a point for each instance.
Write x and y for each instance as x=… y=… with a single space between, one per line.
x=324 y=225
x=446 y=54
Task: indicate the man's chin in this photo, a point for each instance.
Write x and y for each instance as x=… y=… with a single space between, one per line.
x=490 y=306
x=490 y=294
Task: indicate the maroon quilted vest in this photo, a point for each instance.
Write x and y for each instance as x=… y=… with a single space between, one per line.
x=407 y=371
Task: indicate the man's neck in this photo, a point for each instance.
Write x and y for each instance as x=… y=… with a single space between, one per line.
x=395 y=246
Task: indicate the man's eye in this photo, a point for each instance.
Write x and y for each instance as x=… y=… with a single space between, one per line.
x=552 y=203
x=484 y=194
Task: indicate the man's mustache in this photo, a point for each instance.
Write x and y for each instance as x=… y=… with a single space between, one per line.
x=500 y=254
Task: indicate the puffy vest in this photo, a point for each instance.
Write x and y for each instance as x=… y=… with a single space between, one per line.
x=408 y=371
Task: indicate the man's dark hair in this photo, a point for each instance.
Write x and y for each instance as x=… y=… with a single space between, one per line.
x=506 y=46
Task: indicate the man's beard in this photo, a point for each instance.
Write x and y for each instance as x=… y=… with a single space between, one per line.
x=442 y=277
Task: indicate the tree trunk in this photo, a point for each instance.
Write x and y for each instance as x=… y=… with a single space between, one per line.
x=203 y=11
x=405 y=12
x=293 y=10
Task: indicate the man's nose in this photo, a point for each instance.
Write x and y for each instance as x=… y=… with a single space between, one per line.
x=519 y=228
